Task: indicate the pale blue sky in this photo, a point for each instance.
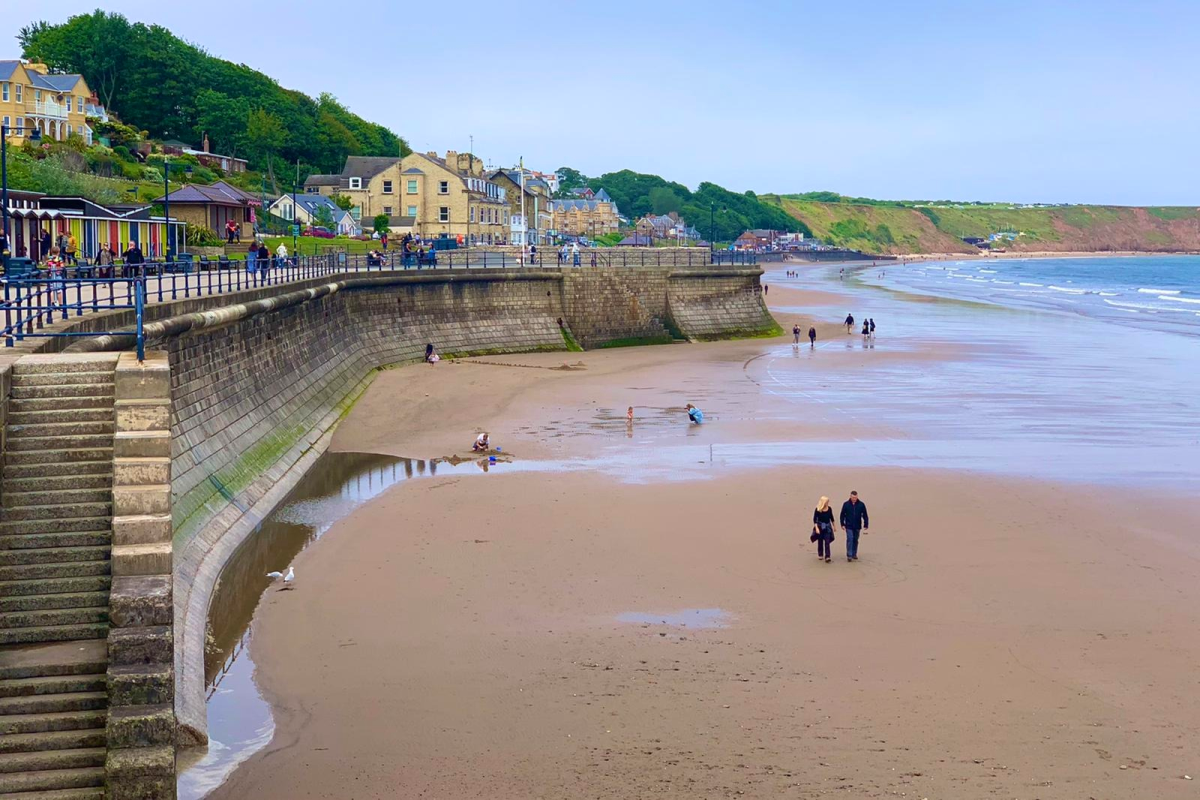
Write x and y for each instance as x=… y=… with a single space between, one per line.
x=1025 y=101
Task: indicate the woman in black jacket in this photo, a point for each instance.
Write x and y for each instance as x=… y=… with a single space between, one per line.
x=823 y=527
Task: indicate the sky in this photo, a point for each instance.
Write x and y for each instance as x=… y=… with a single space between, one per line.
x=1081 y=102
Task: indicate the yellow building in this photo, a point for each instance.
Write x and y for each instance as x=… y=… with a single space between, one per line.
x=585 y=217
x=431 y=196
x=33 y=97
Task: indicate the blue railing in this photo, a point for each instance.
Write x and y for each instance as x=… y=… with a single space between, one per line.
x=34 y=303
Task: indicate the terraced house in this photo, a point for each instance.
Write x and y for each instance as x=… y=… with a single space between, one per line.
x=423 y=193
x=57 y=105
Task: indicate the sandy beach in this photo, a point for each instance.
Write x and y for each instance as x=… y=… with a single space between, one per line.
x=500 y=635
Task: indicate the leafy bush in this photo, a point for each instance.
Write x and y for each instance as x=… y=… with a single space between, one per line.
x=199 y=236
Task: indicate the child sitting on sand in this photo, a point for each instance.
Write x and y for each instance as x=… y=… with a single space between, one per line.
x=695 y=414
x=481 y=443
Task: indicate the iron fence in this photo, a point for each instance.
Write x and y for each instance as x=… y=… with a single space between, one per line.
x=34 y=303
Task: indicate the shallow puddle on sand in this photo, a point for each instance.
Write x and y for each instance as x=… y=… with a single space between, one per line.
x=686 y=618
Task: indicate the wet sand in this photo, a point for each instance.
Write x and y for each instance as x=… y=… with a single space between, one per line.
x=461 y=636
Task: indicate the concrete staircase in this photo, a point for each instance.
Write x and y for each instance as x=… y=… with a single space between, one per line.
x=55 y=576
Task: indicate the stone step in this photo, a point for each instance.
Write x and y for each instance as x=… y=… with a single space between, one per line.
x=65 y=395
x=63 y=379
x=42 y=602
x=53 y=740
x=64 y=456
x=52 y=703
x=61 y=721
x=21 y=526
x=57 y=511
x=53 y=555
x=52 y=616
x=48 y=586
x=76 y=475
x=54 y=684
x=54 y=633
x=21 y=406
x=57 y=363
x=29 y=541
x=73 y=758
x=89 y=793
x=52 y=779
x=66 y=427
x=19 y=499
x=54 y=660
x=141 y=684
x=60 y=415
x=26 y=443
x=72 y=569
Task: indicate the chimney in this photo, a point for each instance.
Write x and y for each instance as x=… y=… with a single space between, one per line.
x=38 y=67
x=432 y=153
x=452 y=159
x=204 y=144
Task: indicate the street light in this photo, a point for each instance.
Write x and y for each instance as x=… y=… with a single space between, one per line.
x=35 y=135
x=187 y=170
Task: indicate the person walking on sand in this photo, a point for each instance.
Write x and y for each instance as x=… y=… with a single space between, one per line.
x=872 y=325
x=812 y=338
x=849 y=323
x=695 y=414
x=823 y=527
x=854 y=519
x=866 y=330
x=795 y=334
x=629 y=415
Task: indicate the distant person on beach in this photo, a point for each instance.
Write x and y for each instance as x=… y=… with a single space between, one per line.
x=629 y=414
x=866 y=330
x=854 y=519
x=812 y=338
x=695 y=414
x=872 y=324
x=431 y=357
x=823 y=527
x=795 y=334
x=481 y=443
x=766 y=288
x=849 y=323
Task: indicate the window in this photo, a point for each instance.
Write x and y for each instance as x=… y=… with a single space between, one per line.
x=79 y=104
x=356 y=183
x=387 y=210
x=69 y=130
x=4 y=91
x=443 y=187
x=444 y=214
x=472 y=217
x=387 y=187
x=68 y=104
x=37 y=95
x=412 y=211
x=19 y=100
x=6 y=122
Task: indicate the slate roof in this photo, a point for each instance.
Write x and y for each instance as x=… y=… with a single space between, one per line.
x=206 y=195
x=7 y=68
x=367 y=167
x=571 y=205
x=53 y=83
x=323 y=180
x=603 y=196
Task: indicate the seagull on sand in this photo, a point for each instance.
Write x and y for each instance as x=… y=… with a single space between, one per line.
x=291 y=576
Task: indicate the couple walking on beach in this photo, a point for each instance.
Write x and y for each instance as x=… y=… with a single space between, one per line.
x=853 y=519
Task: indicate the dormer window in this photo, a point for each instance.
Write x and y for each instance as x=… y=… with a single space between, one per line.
x=356 y=183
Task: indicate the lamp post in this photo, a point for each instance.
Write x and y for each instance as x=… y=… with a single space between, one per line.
x=187 y=170
x=35 y=135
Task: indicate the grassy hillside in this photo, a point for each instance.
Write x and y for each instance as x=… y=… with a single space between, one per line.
x=927 y=228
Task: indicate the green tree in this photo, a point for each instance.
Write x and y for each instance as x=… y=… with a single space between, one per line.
x=341 y=201
x=664 y=200
x=264 y=133
x=569 y=179
x=381 y=224
x=324 y=217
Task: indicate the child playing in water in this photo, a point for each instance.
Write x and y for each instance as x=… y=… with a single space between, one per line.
x=695 y=414
x=629 y=414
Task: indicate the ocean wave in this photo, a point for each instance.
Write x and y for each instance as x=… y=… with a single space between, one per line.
x=988 y=271
x=1068 y=291
x=1158 y=291
x=1178 y=299
x=1110 y=294
x=1031 y=284
x=1006 y=283
x=1140 y=306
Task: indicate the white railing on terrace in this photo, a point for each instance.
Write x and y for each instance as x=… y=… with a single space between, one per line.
x=46 y=108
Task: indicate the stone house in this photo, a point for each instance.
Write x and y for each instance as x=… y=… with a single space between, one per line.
x=213 y=206
x=579 y=217
x=537 y=220
x=33 y=97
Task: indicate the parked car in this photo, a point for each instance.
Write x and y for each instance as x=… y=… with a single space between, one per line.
x=319 y=232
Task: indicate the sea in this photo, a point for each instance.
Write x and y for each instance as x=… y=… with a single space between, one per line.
x=1155 y=292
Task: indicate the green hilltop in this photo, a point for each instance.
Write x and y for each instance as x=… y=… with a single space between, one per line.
x=903 y=227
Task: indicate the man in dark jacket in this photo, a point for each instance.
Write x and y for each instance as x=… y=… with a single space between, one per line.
x=854 y=519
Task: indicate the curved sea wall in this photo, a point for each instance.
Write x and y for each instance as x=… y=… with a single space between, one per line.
x=259 y=379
